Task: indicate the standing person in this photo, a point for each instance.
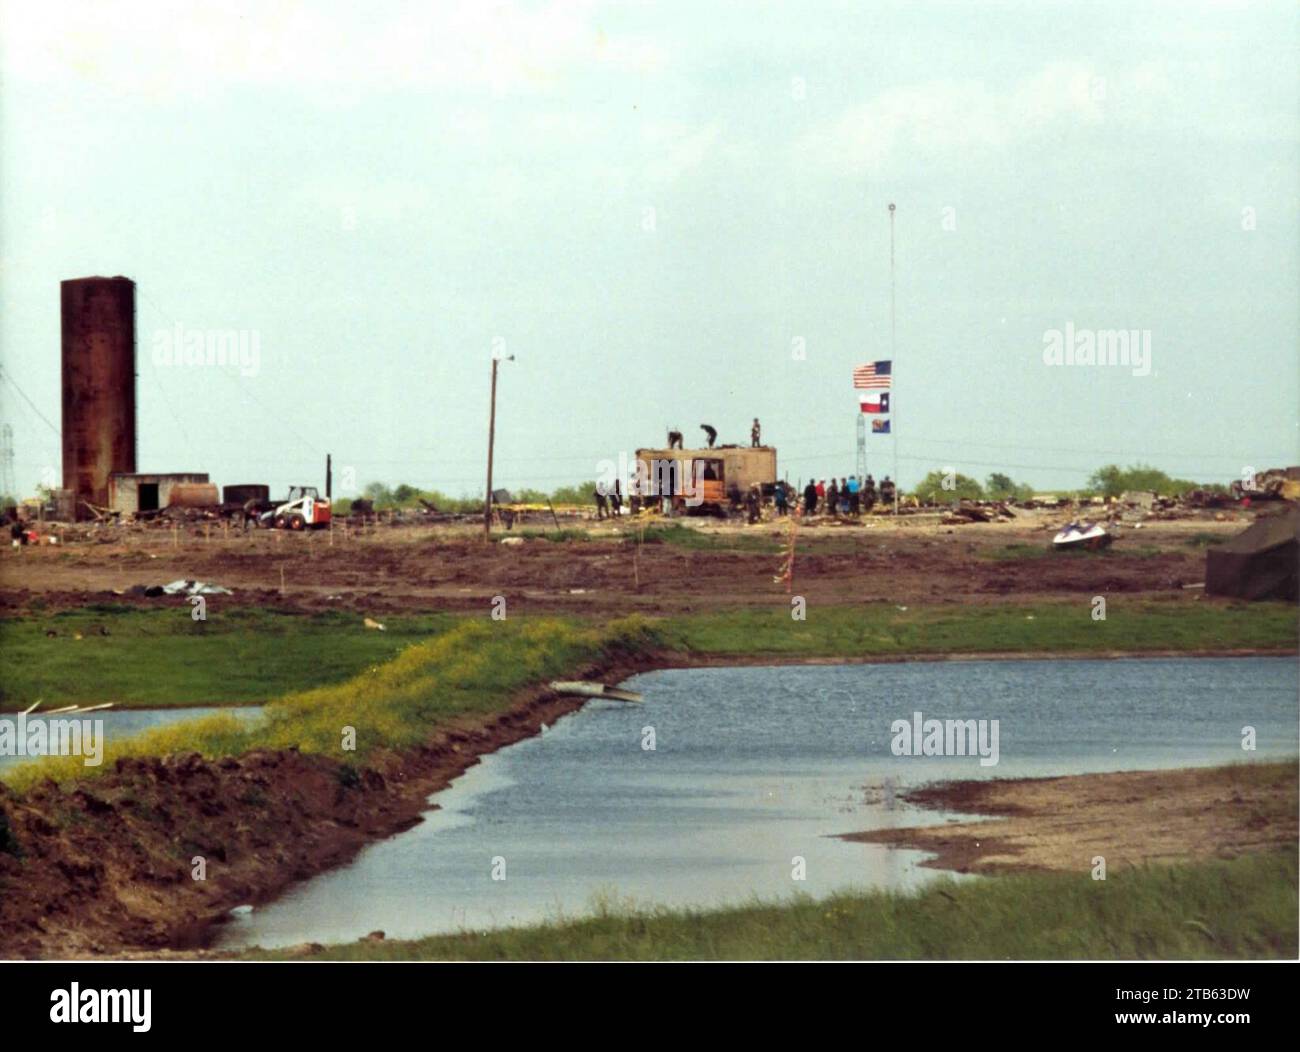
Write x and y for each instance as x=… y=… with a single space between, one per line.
x=854 y=493
x=821 y=494
x=780 y=497
x=602 y=507
x=833 y=498
x=810 y=498
x=753 y=501
x=754 y=432
x=869 y=492
x=887 y=490
x=616 y=500
x=711 y=433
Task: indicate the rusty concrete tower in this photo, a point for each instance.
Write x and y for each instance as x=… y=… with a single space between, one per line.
x=98 y=386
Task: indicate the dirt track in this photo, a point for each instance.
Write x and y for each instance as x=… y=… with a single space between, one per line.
x=422 y=569
x=1129 y=818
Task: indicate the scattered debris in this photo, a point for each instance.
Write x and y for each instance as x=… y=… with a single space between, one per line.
x=375 y=624
x=1139 y=498
x=182 y=587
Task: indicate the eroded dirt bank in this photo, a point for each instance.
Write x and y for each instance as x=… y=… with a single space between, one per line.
x=107 y=866
x=1129 y=817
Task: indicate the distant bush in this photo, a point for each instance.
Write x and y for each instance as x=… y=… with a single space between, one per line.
x=1112 y=480
x=406 y=496
x=941 y=487
x=1002 y=487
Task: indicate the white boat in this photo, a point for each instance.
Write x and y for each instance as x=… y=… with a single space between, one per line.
x=1088 y=536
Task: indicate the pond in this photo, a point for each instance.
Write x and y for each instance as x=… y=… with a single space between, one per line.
x=752 y=769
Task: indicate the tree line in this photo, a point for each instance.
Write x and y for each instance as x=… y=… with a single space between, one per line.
x=938 y=487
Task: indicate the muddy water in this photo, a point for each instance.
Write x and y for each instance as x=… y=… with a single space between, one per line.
x=125 y=723
x=753 y=767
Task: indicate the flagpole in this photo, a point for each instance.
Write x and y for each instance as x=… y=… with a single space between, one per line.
x=893 y=353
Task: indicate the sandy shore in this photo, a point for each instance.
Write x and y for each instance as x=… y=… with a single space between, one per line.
x=1130 y=818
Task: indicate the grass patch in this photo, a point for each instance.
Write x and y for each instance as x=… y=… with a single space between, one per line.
x=469 y=670
x=162 y=658
x=560 y=536
x=883 y=629
x=697 y=540
x=1244 y=908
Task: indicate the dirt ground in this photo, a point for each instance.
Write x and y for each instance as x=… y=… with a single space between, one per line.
x=418 y=569
x=1130 y=818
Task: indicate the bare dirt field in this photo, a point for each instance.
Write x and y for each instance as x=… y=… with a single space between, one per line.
x=419 y=568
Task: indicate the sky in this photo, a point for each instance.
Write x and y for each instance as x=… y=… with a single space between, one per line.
x=669 y=214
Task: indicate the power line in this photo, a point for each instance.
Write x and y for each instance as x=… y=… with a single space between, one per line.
x=15 y=386
x=295 y=433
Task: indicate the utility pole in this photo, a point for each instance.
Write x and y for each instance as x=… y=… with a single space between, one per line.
x=492 y=434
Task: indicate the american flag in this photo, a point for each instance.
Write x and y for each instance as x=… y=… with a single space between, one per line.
x=874 y=375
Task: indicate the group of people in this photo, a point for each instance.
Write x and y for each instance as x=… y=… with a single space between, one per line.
x=846 y=497
x=711 y=435
x=849 y=496
x=610 y=505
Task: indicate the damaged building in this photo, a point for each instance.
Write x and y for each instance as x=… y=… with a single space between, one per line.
x=133 y=493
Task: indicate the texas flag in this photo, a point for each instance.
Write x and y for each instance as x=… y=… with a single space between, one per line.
x=880 y=427
x=874 y=402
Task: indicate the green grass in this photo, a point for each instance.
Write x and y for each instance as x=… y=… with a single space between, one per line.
x=697 y=540
x=396 y=687
x=163 y=658
x=469 y=670
x=882 y=629
x=560 y=536
x=1244 y=908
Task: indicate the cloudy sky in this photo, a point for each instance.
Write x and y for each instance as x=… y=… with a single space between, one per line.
x=670 y=213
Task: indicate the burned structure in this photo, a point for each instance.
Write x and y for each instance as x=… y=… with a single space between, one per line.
x=132 y=493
